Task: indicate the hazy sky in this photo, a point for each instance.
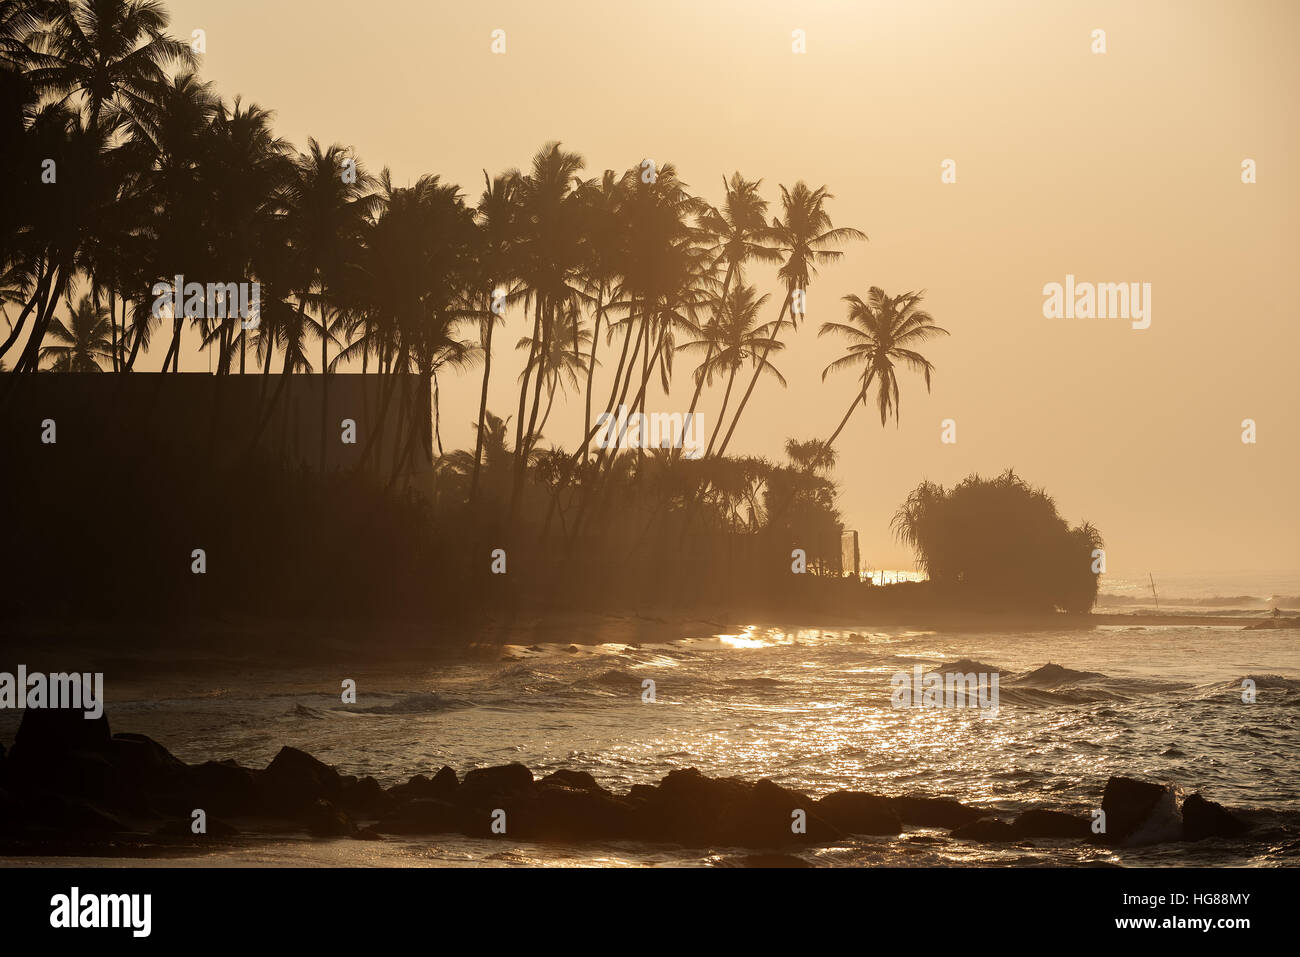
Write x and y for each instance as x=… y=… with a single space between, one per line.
x=1115 y=167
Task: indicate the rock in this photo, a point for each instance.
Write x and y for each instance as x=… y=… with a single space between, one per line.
x=935 y=812
x=83 y=774
x=295 y=779
x=558 y=813
x=641 y=793
x=444 y=783
x=689 y=808
x=423 y=816
x=223 y=787
x=443 y=786
x=987 y=830
x=579 y=780
x=1202 y=819
x=1139 y=812
x=45 y=734
x=73 y=816
x=1038 y=822
x=858 y=813
x=146 y=762
x=486 y=785
x=326 y=819
x=364 y=795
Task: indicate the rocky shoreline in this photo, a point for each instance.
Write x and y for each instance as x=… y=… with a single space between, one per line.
x=70 y=786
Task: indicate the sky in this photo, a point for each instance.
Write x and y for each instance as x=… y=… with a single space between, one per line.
x=1122 y=166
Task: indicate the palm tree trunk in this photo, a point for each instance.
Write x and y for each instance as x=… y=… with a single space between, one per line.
x=521 y=453
x=861 y=397
x=722 y=413
x=324 y=375
x=591 y=366
x=41 y=286
x=758 y=370
x=483 y=397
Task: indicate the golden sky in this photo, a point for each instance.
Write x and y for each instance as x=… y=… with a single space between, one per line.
x=1115 y=167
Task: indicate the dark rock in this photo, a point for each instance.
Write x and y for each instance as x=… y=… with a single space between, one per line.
x=443 y=786
x=935 y=812
x=641 y=793
x=486 y=785
x=84 y=774
x=444 y=783
x=1202 y=819
x=417 y=787
x=423 y=816
x=857 y=813
x=223 y=787
x=1039 y=822
x=46 y=734
x=558 y=813
x=73 y=816
x=364 y=795
x=145 y=761
x=326 y=819
x=1138 y=812
x=987 y=830
x=295 y=779
x=580 y=780
x=689 y=808
x=768 y=816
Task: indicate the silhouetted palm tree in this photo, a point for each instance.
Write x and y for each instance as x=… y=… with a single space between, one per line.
x=803 y=234
x=82 y=342
x=730 y=340
x=495 y=239
x=882 y=331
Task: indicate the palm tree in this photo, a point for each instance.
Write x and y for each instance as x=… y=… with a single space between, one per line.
x=558 y=361
x=108 y=60
x=603 y=251
x=803 y=235
x=740 y=233
x=82 y=342
x=328 y=204
x=495 y=240
x=245 y=166
x=112 y=54
x=168 y=141
x=882 y=331
x=548 y=254
x=730 y=339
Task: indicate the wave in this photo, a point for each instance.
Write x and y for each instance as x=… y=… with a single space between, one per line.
x=965 y=666
x=417 y=702
x=304 y=711
x=1052 y=675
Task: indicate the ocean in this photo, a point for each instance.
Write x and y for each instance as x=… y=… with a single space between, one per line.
x=808 y=707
